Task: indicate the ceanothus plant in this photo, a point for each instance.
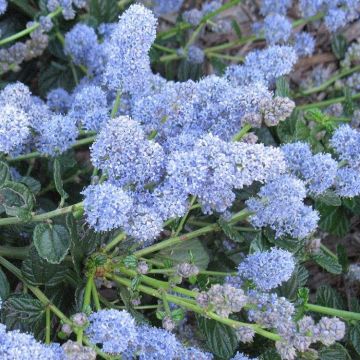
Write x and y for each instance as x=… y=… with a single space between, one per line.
x=162 y=195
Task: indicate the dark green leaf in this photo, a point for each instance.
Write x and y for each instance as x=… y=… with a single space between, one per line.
x=282 y=87
x=270 y=355
x=342 y=257
x=328 y=263
x=230 y=232
x=76 y=248
x=355 y=336
x=259 y=244
x=52 y=242
x=333 y=219
x=330 y=198
x=16 y=199
x=31 y=183
x=220 y=339
x=4 y=286
x=327 y=296
x=339 y=46
x=352 y=204
x=180 y=253
x=4 y=173
x=104 y=11
x=187 y=71
x=38 y=271
x=58 y=181
x=21 y=311
x=334 y=352
x=298 y=279
x=236 y=28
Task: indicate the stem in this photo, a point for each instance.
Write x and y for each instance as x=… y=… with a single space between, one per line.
x=330 y=81
x=29 y=30
x=177 y=240
x=326 y=250
x=113 y=243
x=37 y=154
x=46 y=302
x=164 y=48
x=42 y=217
x=14 y=252
x=116 y=104
x=86 y=305
x=158 y=283
x=328 y=102
x=195 y=308
x=95 y=296
x=184 y=218
x=202 y=272
x=245 y=129
x=47 y=325
x=225 y=57
x=346 y=315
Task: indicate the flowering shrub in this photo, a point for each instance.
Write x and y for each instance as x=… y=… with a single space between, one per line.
x=168 y=194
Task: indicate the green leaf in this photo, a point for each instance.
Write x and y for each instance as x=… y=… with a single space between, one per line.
x=330 y=198
x=230 y=232
x=220 y=339
x=333 y=219
x=352 y=204
x=4 y=286
x=4 y=173
x=21 y=311
x=259 y=244
x=181 y=253
x=104 y=11
x=236 y=28
x=327 y=296
x=38 y=271
x=339 y=46
x=270 y=354
x=298 y=279
x=282 y=87
x=328 y=263
x=354 y=336
x=33 y=184
x=58 y=181
x=334 y=352
x=52 y=242
x=16 y=199
x=343 y=257
x=187 y=71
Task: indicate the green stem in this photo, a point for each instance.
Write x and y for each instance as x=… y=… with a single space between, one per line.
x=177 y=240
x=202 y=272
x=196 y=308
x=86 y=305
x=184 y=218
x=29 y=30
x=224 y=56
x=325 y=103
x=14 y=252
x=37 y=154
x=47 y=325
x=95 y=296
x=157 y=283
x=330 y=81
x=114 y=242
x=164 y=48
x=326 y=250
x=166 y=304
x=46 y=302
x=245 y=129
x=346 y=315
x=43 y=217
x=116 y=104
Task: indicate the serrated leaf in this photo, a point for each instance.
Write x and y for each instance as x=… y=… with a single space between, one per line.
x=343 y=257
x=327 y=296
x=352 y=204
x=354 y=335
x=4 y=173
x=104 y=11
x=33 y=184
x=52 y=242
x=4 y=286
x=38 y=271
x=339 y=46
x=180 y=253
x=259 y=243
x=230 y=232
x=220 y=339
x=329 y=198
x=328 y=263
x=16 y=199
x=58 y=181
x=334 y=352
x=21 y=311
x=298 y=279
x=282 y=87
x=333 y=219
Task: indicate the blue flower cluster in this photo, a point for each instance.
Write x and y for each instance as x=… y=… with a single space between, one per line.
x=3 y=6
x=67 y=6
x=117 y=333
x=280 y=206
x=267 y=269
x=163 y=7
